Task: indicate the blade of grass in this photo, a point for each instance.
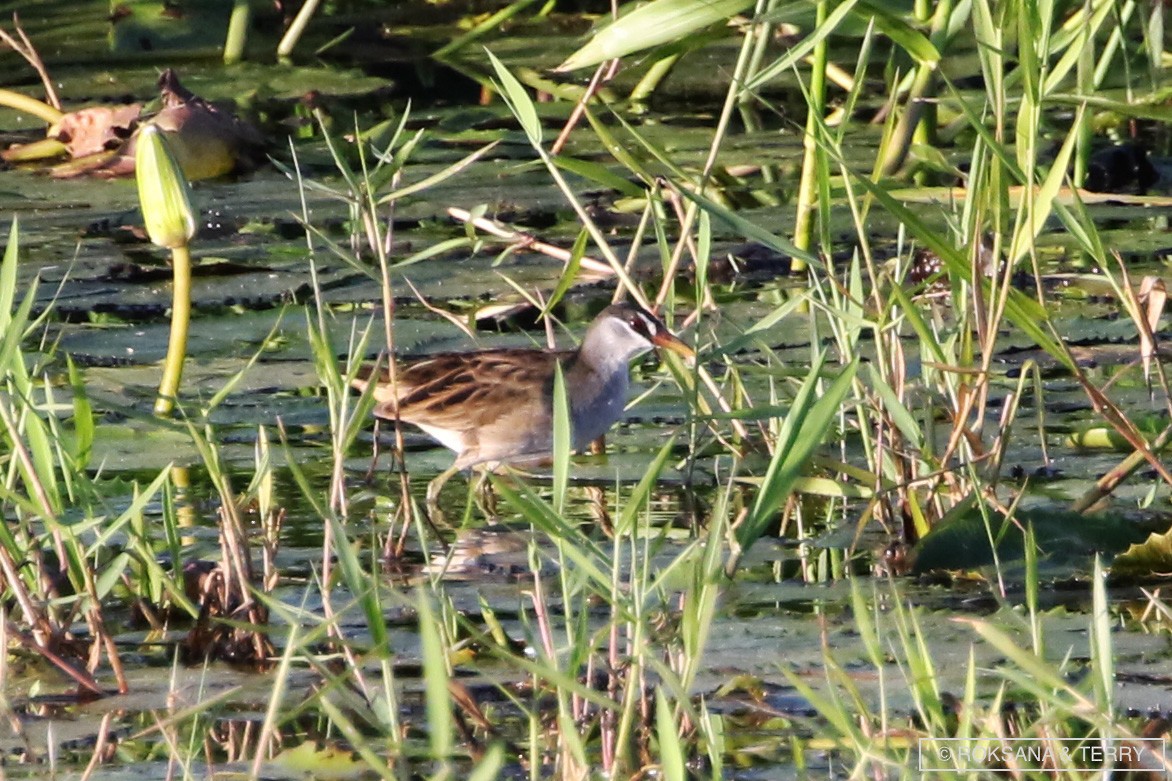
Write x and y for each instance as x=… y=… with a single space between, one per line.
x=561 y=440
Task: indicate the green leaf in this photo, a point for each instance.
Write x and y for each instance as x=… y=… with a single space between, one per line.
x=1103 y=660
x=13 y=324
x=802 y=431
x=570 y=272
x=435 y=678
x=1078 y=40
x=111 y=574
x=83 y=417
x=8 y=275
x=439 y=176
x=1043 y=204
x=561 y=440
x=659 y=22
x=910 y=311
x=703 y=255
x=600 y=174
x=360 y=585
x=671 y=750
x=618 y=150
x=518 y=99
x=900 y=32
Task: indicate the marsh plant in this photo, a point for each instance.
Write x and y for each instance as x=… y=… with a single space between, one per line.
x=599 y=664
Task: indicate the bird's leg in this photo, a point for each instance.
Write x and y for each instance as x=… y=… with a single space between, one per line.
x=369 y=476
x=598 y=446
x=434 y=488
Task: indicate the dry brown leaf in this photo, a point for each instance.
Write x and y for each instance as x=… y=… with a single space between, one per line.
x=95 y=129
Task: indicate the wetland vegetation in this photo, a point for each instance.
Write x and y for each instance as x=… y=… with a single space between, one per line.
x=910 y=491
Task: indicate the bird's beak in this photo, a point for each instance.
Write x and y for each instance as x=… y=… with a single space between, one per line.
x=668 y=341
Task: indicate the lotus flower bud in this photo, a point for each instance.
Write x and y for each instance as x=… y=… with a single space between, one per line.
x=163 y=192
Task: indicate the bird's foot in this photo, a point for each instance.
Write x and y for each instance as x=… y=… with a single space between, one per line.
x=485 y=496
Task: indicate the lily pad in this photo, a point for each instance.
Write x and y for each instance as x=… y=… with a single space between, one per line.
x=155 y=26
x=965 y=542
x=1151 y=557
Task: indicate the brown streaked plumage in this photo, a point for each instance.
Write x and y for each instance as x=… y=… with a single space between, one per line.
x=496 y=406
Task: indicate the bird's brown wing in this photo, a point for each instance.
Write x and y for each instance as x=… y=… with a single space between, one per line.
x=462 y=391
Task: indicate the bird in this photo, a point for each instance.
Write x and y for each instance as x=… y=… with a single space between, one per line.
x=495 y=407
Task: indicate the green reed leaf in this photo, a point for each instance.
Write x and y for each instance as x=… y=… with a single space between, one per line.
x=657 y=23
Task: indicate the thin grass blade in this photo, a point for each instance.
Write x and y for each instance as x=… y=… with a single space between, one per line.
x=561 y=440
x=671 y=750
x=435 y=678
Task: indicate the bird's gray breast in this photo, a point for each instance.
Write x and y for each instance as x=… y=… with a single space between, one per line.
x=595 y=408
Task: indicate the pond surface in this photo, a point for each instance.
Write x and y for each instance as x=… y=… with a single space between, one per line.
x=258 y=283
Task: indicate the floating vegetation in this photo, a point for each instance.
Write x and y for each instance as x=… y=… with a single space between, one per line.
x=924 y=348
